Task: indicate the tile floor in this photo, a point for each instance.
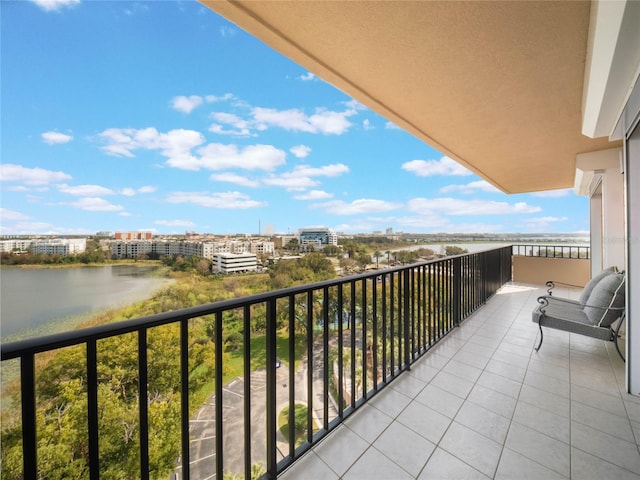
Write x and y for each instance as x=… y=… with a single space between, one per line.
x=484 y=405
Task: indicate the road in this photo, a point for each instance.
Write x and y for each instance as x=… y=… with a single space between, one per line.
x=202 y=426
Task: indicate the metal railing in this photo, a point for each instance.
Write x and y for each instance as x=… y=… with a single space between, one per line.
x=342 y=340
x=552 y=251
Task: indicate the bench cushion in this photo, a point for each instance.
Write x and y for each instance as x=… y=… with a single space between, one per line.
x=588 y=288
x=608 y=293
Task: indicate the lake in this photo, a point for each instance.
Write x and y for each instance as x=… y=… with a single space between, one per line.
x=32 y=298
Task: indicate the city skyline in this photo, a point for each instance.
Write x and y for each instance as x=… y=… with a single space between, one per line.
x=163 y=116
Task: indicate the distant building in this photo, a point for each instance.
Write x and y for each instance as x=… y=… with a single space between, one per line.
x=17 y=245
x=59 y=246
x=318 y=237
x=133 y=235
x=103 y=234
x=234 y=262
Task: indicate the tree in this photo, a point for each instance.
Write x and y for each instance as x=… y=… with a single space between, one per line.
x=376 y=255
x=451 y=250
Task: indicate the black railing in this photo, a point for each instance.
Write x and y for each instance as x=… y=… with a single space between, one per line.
x=553 y=251
x=342 y=341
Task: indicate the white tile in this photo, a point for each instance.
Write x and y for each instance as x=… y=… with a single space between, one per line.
x=408 y=385
x=515 y=466
x=368 y=422
x=341 y=449
x=587 y=467
x=543 y=421
x=603 y=421
x=473 y=359
x=633 y=408
x=551 y=402
x=604 y=446
x=440 y=400
x=375 y=465
x=507 y=370
x=462 y=370
x=500 y=384
x=423 y=372
x=452 y=384
x=483 y=421
x=472 y=448
x=390 y=402
x=444 y=466
x=424 y=421
x=311 y=467
x=493 y=401
x=405 y=448
x=603 y=401
x=550 y=384
x=540 y=448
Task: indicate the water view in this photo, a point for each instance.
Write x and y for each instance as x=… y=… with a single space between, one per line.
x=32 y=298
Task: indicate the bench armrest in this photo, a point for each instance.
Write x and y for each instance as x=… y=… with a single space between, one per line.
x=551 y=284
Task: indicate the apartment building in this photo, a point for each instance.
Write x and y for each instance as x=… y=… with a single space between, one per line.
x=59 y=246
x=234 y=263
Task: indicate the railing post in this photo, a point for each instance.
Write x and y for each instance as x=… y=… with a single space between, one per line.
x=92 y=409
x=407 y=332
x=457 y=290
x=29 y=438
x=271 y=389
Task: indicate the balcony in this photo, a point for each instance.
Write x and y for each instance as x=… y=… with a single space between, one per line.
x=483 y=404
x=420 y=371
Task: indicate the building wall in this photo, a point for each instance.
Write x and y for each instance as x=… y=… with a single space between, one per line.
x=234 y=262
x=538 y=270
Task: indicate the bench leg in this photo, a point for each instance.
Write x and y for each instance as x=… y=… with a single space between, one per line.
x=541 y=336
x=616 y=336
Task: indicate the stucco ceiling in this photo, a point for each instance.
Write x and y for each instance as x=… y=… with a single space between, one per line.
x=495 y=85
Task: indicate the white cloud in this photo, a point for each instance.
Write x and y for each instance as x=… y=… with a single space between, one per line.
x=130 y=192
x=366 y=124
x=235 y=179
x=444 y=166
x=216 y=156
x=553 y=193
x=436 y=223
x=175 y=143
x=313 y=195
x=31 y=176
x=221 y=98
x=542 y=224
x=53 y=5
x=241 y=126
x=11 y=215
x=391 y=126
x=95 y=204
x=186 y=104
x=307 y=77
x=300 y=151
x=224 y=200
x=454 y=206
x=323 y=121
x=357 y=207
x=175 y=223
x=86 y=190
x=56 y=138
x=471 y=187
x=301 y=177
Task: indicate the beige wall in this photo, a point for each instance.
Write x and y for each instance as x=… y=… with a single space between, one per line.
x=538 y=270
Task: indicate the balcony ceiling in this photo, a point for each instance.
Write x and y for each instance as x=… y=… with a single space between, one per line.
x=495 y=85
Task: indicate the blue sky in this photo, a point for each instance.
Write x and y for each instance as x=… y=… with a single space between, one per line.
x=163 y=116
